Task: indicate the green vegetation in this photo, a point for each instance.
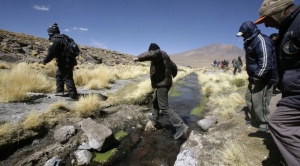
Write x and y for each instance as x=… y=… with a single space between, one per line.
x=174 y=92
x=120 y=135
x=199 y=109
x=104 y=157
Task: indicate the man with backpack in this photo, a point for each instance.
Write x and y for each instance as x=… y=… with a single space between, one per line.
x=60 y=50
x=162 y=70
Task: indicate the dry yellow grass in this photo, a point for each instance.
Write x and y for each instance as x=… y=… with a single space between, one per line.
x=234 y=154
x=227 y=105
x=7 y=130
x=20 y=80
x=32 y=121
x=58 y=105
x=5 y=65
x=87 y=105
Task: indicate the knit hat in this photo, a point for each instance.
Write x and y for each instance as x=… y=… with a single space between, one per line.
x=153 y=46
x=53 y=29
x=274 y=9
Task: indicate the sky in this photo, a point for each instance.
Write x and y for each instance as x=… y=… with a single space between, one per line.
x=129 y=26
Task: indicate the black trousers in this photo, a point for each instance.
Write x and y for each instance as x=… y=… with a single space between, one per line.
x=160 y=102
x=64 y=75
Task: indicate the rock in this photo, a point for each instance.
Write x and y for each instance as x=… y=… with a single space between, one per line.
x=84 y=146
x=100 y=136
x=207 y=123
x=64 y=133
x=54 y=161
x=186 y=158
x=83 y=157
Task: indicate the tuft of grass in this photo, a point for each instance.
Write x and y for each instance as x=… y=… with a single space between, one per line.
x=87 y=105
x=227 y=104
x=234 y=155
x=7 y=130
x=5 y=65
x=59 y=105
x=239 y=82
x=14 y=84
x=32 y=121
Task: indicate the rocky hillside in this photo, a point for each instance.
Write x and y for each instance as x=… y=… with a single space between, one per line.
x=16 y=47
x=203 y=56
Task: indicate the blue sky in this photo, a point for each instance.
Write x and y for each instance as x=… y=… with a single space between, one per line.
x=129 y=26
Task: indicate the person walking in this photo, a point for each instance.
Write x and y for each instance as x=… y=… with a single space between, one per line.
x=237 y=65
x=260 y=53
x=161 y=71
x=65 y=66
x=284 y=122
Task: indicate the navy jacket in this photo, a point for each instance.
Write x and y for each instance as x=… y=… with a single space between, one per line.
x=260 y=55
x=288 y=51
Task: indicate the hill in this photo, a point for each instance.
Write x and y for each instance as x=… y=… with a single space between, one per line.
x=19 y=47
x=203 y=56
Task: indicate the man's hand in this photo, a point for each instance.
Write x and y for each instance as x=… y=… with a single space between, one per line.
x=135 y=59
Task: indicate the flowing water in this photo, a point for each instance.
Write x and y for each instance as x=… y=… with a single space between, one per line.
x=152 y=148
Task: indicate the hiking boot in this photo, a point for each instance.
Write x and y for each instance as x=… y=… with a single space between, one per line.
x=180 y=131
x=155 y=123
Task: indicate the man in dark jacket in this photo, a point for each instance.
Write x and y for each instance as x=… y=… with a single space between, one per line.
x=237 y=64
x=161 y=71
x=65 y=66
x=285 y=120
x=260 y=55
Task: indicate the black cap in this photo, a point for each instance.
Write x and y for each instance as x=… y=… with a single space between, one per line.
x=53 y=29
x=153 y=46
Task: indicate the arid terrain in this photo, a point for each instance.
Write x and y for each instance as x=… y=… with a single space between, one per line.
x=230 y=141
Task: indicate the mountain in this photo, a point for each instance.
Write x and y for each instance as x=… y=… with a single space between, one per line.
x=19 y=47
x=204 y=56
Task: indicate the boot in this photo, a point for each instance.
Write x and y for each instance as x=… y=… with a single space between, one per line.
x=180 y=131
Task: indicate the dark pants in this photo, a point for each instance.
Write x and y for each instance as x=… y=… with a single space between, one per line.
x=284 y=124
x=64 y=75
x=236 y=69
x=160 y=102
x=258 y=96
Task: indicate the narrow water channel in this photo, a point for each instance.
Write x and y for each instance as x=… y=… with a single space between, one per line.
x=159 y=147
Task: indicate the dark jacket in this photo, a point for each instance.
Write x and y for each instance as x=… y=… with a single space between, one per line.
x=161 y=68
x=260 y=55
x=56 y=50
x=288 y=51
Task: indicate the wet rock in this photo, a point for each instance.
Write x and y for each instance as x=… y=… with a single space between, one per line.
x=207 y=123
x=83 y=157
x=64 y=133
x=186 y=158
x=100 y=136
x=84 y=146
x=54 y=161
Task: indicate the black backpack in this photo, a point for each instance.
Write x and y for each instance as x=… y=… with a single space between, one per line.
x=71 y=49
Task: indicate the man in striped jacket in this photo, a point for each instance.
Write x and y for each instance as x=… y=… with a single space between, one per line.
x=260 y=63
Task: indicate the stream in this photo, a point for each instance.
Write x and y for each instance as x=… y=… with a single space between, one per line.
x=158 y=147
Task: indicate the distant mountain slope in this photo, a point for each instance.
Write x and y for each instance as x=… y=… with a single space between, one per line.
x=203 y=56
x=19 y=47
